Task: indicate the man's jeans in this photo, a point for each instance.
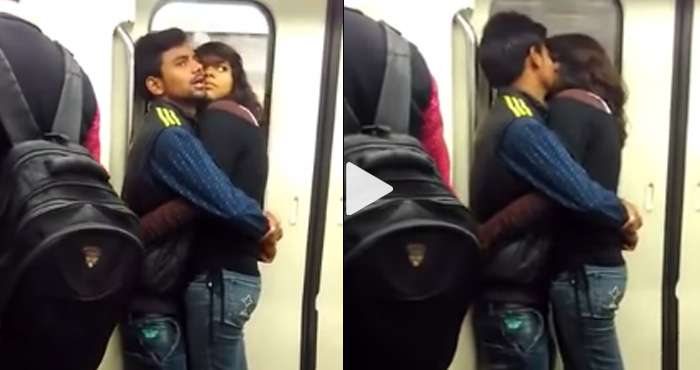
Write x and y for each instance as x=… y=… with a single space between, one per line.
x=584 y=316
x=511 y=336
x=153 y=342
x=218 y=307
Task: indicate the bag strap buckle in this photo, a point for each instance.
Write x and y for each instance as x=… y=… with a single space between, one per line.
x=57 y=138
x=376 y=130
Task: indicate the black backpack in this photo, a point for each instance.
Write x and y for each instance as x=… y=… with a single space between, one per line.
x=70 y=251
x=411 y=259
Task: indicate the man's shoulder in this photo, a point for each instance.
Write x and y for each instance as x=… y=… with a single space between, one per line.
x=507 y=112
x=172 y=129
x=511 y=107
x=165 y=116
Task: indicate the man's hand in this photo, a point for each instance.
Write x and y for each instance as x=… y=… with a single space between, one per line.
x=629 y=229
x=629 y=241
x=268 y=251
x=268 y=244
x=634 y=219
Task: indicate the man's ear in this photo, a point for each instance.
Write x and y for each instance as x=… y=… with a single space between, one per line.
x=535 y=57
x=155 y=86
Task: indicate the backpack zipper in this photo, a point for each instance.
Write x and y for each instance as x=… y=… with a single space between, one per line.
x=383 y=146
x=55 y=184
x=55 y=204
x=30 y=155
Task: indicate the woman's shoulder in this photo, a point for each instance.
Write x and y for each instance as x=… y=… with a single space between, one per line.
x=224 y=125
x=233 y=109
x=579 y=99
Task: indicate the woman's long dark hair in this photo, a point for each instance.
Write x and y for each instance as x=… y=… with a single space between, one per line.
x=584 y=64
x=242 y=92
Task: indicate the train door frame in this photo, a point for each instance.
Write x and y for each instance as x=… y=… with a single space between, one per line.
x=680 y=100
x=320 y=183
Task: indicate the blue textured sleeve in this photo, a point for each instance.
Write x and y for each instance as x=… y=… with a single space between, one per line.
x=180 y=161
x=533 y=152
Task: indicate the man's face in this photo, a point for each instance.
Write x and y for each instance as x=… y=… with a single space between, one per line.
x=547 y=68
x=182 y=76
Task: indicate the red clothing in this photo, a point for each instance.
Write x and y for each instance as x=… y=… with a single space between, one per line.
x=432 y=136
x=92 y=137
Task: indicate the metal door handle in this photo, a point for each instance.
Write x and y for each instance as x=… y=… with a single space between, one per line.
x=649 y=198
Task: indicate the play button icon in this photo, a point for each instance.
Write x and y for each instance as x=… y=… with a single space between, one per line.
x=362 y=189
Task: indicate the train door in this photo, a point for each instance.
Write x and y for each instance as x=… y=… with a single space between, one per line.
x=329 y=347
x=626 y=30
x=286 y=47
x=687 y=292
x=466 y=113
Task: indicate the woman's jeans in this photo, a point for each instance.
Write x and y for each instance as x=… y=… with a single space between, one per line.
x=584 y=307
x=218 y=306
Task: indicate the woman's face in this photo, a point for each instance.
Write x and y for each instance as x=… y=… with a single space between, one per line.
x=219 y=78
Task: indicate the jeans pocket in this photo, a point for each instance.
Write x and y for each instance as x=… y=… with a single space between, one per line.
x=562 y=291
x=607 y=286
x=155 y=338
x=242 y=296
x=521 y=328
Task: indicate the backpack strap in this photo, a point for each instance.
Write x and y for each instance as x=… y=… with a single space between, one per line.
x=394 y=105
x=15 y=115
x=585 y=97
x=69 y=113
x=351 y=124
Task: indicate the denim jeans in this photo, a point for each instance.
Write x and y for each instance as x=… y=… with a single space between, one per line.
x=512 y=336
x=153 y=342
x=218 y=307
x=584 y=316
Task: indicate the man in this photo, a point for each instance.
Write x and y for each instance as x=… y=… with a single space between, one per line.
x=167 y=162
x=515 y=154
x=38 y=65
x=365 y=60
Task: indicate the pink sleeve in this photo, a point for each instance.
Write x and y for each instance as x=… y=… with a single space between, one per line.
x=92 y=138
x=432 y=136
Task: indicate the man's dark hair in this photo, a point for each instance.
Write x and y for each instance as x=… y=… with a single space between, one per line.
x=148 y=56
x=505 y=45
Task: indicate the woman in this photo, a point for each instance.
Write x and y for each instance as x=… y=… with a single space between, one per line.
x=587 y=113
x=591 y=277
x=225 y=292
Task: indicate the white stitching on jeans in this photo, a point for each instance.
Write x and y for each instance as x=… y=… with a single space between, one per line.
x=247 y=301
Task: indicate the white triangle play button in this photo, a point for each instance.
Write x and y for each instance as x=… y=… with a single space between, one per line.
x=362 y=189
